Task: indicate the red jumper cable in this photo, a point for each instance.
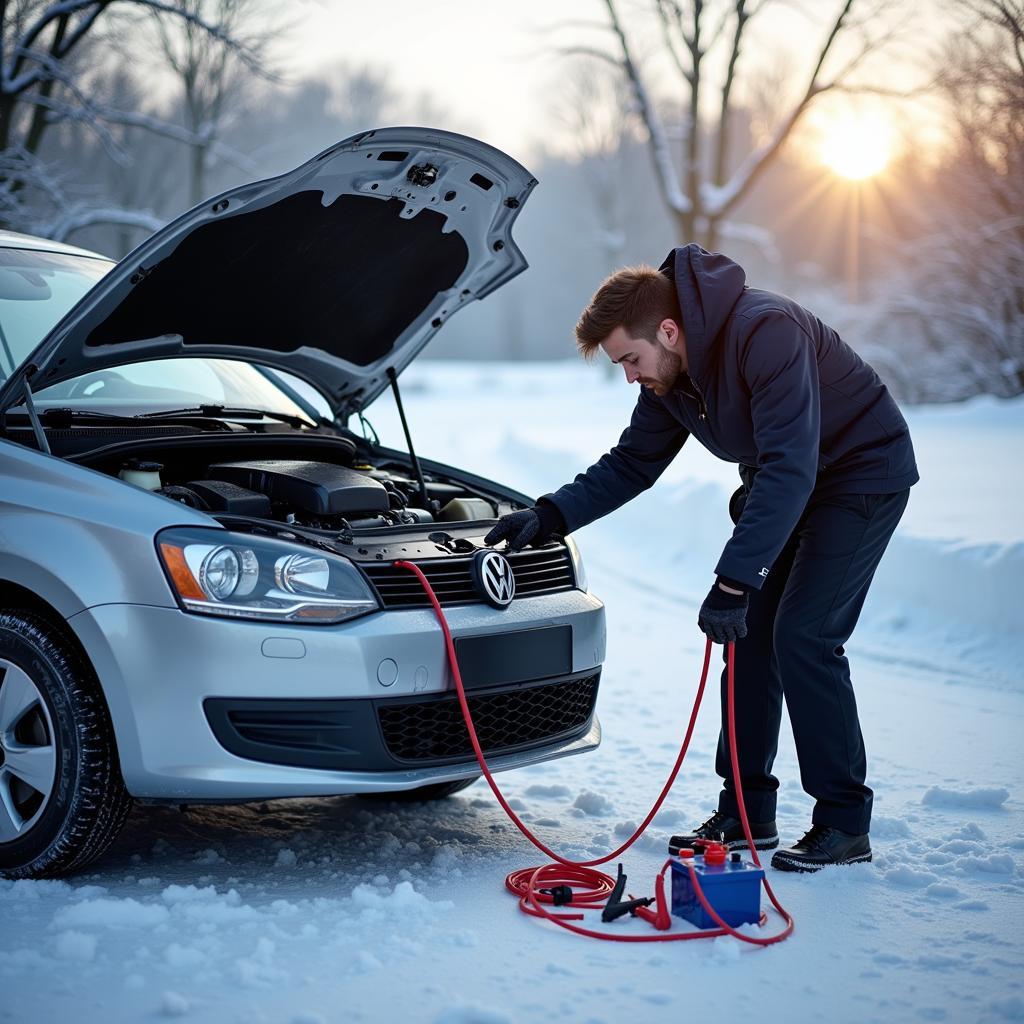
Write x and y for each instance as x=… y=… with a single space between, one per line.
x=595 y=886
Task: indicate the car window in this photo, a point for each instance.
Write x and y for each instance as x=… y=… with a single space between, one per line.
x=36 y=289
x=194 y=378
x=302 y=391
x=170 y=384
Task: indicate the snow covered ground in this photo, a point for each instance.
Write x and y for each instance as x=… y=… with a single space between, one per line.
x=345 y=909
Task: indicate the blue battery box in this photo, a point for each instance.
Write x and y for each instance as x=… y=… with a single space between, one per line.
x=733 y=888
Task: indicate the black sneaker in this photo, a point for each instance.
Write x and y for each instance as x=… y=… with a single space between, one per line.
x=821 y=848
x=730 y=831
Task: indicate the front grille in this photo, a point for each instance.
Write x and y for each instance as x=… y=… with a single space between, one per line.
x=544 y=571
x=433 y=729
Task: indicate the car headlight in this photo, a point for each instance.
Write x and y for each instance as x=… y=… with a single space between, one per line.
x=577 y=563
x=216 y=572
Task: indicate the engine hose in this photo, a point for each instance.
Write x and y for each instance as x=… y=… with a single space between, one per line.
x=591 y=888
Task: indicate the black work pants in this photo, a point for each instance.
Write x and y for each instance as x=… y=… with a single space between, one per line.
x=796 y=627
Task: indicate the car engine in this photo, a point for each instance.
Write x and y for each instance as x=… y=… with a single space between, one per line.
x=320 y=495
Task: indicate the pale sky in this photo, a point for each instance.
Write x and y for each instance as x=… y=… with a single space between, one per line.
x=494 y=68
x=488 y=67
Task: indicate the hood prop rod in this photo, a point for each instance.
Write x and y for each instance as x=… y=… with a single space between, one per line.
x=30 y=407
x=393 y=377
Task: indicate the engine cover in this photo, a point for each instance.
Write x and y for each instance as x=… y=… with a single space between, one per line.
x=319 y=488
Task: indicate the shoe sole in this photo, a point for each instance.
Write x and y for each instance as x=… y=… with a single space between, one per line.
x=764 y=843
x=783 y=863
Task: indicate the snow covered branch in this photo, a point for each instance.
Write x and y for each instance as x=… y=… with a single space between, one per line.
x=719 y=200
x=40 y=87
x=750 y=234
x=12 y=81
x=725 y=108
x=674 y=196
x=80 y=216
x=590 y=51
x=94 y=116
x=670 y=45
x=696 y=189
x=68 y=214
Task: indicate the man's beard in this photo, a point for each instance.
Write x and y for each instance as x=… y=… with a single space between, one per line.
x=668 y=369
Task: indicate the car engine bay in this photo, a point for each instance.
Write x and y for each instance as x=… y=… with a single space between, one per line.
x=327 y=488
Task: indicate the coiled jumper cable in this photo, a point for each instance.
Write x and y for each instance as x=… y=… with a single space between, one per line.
x=595 y=886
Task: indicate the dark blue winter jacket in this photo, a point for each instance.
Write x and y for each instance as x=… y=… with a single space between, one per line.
x=768 y=386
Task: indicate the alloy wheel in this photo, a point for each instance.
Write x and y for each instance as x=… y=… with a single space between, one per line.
x=28 y=754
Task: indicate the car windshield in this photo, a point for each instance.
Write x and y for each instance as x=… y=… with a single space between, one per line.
x=36 y=289
x=165 y=384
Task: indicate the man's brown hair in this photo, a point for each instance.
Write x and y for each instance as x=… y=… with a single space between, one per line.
x=634 y=298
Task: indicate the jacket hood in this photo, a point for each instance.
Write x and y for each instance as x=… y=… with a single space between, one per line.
x=338 y=271
x=709 y=285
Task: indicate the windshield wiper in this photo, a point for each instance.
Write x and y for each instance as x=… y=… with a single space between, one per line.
x=62 y=417
x=228 y=412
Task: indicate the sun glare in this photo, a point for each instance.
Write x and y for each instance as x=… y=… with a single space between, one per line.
x=856 y=147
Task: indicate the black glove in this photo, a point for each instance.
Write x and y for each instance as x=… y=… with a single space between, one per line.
x=723 y=616
x=529 y=526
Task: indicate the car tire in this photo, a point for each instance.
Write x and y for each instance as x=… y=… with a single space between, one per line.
x=434 y=791
x=62 y=798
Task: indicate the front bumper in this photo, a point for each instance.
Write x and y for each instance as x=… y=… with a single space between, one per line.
x=162 y=670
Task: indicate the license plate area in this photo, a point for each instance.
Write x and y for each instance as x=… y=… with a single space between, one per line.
x=497 y=659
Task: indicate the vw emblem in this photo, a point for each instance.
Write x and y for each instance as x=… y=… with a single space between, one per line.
x=492 y=577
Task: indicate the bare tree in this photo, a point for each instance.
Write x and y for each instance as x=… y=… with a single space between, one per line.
x=274 y=124
x=211 y=74
x=703 y=186
x=958 y=286
x=42 y=83
x=150 y=180
x=596 y=109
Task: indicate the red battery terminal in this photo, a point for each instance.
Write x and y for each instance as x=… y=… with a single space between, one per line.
x=715 y=853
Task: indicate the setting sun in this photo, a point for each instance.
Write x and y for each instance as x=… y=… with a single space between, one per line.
x=856 y=147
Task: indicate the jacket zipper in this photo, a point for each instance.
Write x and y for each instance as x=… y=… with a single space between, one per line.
x=702 y=415
x=702 y=409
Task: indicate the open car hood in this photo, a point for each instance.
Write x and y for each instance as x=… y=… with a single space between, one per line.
x=336 y=272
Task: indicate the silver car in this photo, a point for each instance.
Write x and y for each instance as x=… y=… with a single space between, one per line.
x=199 y=600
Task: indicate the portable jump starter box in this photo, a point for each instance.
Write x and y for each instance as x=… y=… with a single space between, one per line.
x=731 y=885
